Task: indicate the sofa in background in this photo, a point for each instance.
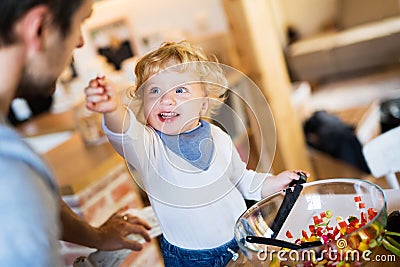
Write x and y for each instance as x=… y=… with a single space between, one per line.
x=366 y=35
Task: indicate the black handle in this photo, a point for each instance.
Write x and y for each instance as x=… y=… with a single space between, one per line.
x=271 y=241
x=280 y=243
x=288 y=202
x=301 y=180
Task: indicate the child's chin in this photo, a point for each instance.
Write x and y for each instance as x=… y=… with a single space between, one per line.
x=168 y=131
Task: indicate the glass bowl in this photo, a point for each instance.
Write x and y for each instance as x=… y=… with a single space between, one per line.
x=348 y=216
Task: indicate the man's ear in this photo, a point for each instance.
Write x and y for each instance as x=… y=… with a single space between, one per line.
x=30 y=27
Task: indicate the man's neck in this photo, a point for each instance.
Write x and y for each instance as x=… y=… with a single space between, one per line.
x=2 y=119
x=11 y=67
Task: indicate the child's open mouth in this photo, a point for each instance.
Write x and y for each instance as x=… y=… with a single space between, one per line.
x=167 y=115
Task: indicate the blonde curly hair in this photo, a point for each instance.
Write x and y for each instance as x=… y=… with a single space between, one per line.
x=183 y=57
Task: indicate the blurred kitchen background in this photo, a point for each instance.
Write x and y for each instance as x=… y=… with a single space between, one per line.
x=329 y=70
x=339 y=56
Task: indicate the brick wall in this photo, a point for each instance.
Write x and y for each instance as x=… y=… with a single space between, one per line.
x=97 y=202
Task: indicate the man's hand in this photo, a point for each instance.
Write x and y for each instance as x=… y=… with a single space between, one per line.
x=113 y=233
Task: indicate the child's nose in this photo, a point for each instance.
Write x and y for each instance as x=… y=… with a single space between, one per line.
x=168 y=98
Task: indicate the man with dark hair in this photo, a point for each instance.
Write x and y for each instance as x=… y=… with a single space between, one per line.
x=36 y=41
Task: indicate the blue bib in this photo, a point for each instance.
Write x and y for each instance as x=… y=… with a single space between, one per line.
x=195 y=146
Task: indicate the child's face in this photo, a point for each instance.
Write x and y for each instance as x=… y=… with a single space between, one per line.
x=173 y=102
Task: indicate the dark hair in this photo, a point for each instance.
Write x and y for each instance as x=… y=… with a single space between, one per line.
x=12 y=10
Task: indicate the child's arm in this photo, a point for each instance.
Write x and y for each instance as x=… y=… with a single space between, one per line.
x=278 y=182
x=251 y=180
x=103 y=98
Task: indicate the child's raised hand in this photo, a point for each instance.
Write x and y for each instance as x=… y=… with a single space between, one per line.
x=101 y=96
x=281 y=181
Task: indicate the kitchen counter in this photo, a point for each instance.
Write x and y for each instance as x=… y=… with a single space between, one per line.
x=47 y=123
x=76 y=165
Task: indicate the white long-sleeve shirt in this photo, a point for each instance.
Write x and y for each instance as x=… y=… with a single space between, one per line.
x=196 y=209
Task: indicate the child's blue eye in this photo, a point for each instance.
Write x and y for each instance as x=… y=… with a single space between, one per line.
x=155 y=90
x=181 y=90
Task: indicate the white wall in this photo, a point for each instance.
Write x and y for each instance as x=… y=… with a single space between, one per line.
x=156 y=20
x=160 y=20
x=308 y=16
x=191 y=17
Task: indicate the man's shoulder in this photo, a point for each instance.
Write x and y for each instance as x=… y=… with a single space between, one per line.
x=19 y=162
x=32 y=207
x=17 y=173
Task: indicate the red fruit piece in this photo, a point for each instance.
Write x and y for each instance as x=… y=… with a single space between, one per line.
x=316 y=219
x=304 y=234
x=363 y=217
x=289 y=234
x=342 y=224
x=312 y=228
x=371 y=213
